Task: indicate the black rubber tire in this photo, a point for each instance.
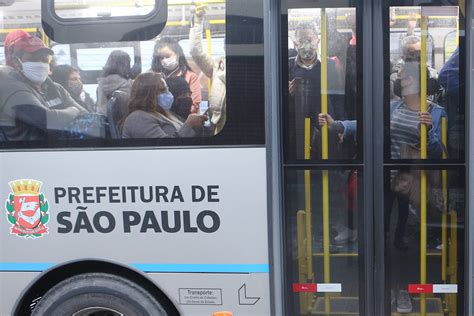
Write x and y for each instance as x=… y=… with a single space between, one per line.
x=98 y=289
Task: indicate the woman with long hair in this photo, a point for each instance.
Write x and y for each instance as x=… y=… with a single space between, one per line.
x=70 y=78
x=169 y=59
x=149 y=111
x=115 y=76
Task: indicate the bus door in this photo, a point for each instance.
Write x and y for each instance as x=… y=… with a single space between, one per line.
x=373 y=157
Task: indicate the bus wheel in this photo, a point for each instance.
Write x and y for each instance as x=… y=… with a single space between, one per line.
x=97 y=294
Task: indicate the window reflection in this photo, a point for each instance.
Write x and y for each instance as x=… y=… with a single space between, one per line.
x=315 y=84
x=441 y=84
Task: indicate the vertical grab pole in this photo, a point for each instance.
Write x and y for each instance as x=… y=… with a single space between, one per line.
x=453 y=258
x=209 y=53
x=424 y=155
x=302 y=271
x=307 y=200
x=444 y=218
x=324 y=150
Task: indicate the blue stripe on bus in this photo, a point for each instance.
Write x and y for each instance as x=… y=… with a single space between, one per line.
x=167 y=267
x=216 y=268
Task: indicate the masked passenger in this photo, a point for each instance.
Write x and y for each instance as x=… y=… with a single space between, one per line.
x=9 y=43
x=213 y=68
x=115 y=76
x=70 y=78
x=32 y=105
x=411 y=52
x=304 y=75
x=181 y=92
x=149 y=112
x=169 y=59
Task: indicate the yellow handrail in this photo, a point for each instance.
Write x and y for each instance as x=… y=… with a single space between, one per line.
x=302 y=271
x=307 y=202
x=209 y=53
x=453 y=261
x=325 y=155
x=424 y=155
x=444 y=177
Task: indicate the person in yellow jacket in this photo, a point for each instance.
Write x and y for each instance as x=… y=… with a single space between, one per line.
x=213 y=68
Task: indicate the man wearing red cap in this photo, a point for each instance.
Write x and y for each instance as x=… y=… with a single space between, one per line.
x=32 y=106
x=10 y=41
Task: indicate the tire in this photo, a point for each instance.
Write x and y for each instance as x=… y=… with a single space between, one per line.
x=98 y=294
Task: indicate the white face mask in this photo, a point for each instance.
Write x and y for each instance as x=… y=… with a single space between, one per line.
x=36 y=72
x=170 y=63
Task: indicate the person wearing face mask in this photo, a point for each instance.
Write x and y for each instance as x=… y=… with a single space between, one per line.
x=213 y=68
x=169 y=59
x=181 y=92
x=115 y=76
x=70 y=78
x=150 y=113
x=304 y=80
x=411 y=52
x=33 y=107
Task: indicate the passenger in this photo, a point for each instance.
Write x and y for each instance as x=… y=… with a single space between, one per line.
x=32 y=105
x=405 y=117
x=149 y=112
x=9 y=43
x=411 y=52
x=115 y=76
x=169 y=59
x=306 y=65
x=181 y=92
x=214 y=69
x=70 y=78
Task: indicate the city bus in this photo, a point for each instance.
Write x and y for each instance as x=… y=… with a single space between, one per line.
x=329 y=173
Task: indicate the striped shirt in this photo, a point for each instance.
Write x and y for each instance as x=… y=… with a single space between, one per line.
x=404 y=130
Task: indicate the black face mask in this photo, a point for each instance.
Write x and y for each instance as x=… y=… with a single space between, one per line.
x=432 y=87
x=414 y=56
x=397 y=88
x=182 y=106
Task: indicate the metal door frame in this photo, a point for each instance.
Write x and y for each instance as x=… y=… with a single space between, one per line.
x=373 y=89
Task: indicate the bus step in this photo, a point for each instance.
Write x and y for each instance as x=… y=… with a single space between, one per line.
x=434 y=307
x=341 y=306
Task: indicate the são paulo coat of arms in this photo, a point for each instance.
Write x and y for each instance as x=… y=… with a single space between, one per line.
x=27 y=209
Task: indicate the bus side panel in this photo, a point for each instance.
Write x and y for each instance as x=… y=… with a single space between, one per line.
x=170 y=210
x=203 y=294
x=11 y=287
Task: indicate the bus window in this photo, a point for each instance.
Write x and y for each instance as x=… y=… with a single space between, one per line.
x=187 y=62
x=322 y=114
x=424 y=207
x=80 y=9
x=95 y=58
x=451 y=42
x=322 y=80
x=87 y=21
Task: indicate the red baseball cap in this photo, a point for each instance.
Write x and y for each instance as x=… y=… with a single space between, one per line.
x=12 y=38
x=31 y=45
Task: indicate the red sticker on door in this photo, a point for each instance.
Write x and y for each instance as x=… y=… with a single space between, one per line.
x=304 y=287
x=420 y=288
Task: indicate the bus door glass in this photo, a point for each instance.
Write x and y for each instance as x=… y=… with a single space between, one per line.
x=424 y=198
x=322 y=119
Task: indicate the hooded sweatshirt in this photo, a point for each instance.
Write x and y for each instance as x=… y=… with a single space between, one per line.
x=107 y=85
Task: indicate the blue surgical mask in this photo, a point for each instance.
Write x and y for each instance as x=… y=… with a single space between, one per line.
x=165 y=100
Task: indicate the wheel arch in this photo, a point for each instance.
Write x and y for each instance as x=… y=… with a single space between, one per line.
x=54 y=275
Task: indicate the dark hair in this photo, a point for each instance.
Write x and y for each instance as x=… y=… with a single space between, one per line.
x=178 y=86
x=61 y=74
x=305 y=26
x=176 y=48
x=145 y=91
x=118 y=63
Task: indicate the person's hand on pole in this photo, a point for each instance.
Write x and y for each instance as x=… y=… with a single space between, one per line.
x=291 y=87
x=324 y=119
x=427 y=119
